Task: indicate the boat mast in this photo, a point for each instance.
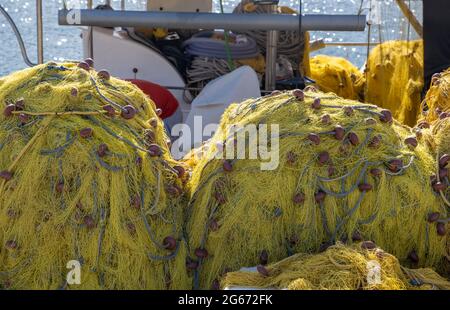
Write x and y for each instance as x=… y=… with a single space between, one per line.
x=410 y=16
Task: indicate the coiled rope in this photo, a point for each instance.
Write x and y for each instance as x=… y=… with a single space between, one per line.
x=289 y=42
x=213 y=64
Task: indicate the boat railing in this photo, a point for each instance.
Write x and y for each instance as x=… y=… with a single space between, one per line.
x=91 y=17
x=316 y=45
x=271 y=22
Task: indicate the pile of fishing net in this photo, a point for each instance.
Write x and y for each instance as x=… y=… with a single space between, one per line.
x=337 y=75
x=437 y=101
x=340 y=267
x=394 y=78
x=437 y=138
x=86 y=176
x=434 y=126
x=347 y=171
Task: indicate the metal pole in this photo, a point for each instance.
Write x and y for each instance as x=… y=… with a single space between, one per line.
x=91 y=33
x=271 y=55
x=198 y=88
x=176 y=20
x=122 y=5
x=40 y=38
x=351 y=43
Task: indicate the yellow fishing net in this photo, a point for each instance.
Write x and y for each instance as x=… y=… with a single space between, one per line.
x=394 y=78
x=340 y=267
x=86 y=176
x=437 y=138
x=437 y=101
x=192 y=158
x=434 y=126
x=347 y=171
x=337 y=75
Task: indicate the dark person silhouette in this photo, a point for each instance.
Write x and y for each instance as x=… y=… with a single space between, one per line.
x=436 y=35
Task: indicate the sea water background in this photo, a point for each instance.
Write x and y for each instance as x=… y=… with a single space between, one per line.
x=64 y=42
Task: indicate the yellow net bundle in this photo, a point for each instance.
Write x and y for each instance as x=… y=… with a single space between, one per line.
x=434 y=126
x=340 y=267
x=437 y=138
x=347 y=171
x=86 y=178
x=394 y=78
x=437 y=100
x=337 y=75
